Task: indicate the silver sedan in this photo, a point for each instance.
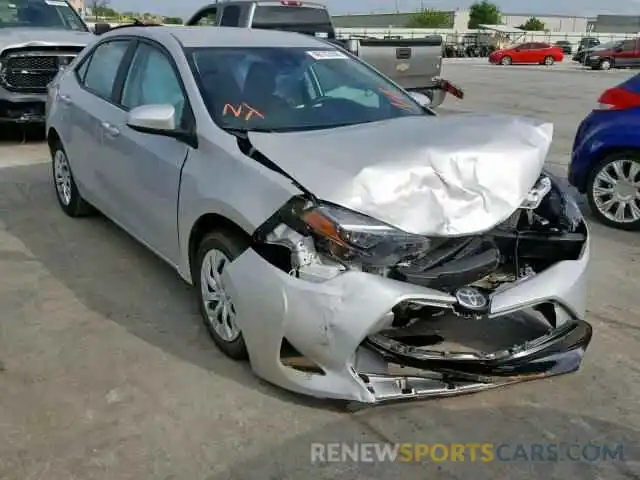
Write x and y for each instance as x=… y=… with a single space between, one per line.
x=335 y=229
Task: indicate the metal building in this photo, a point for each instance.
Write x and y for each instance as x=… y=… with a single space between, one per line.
x=617 y=24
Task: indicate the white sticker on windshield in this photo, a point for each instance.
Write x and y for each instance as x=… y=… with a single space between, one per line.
x=322 y=34
x=56 y=3
x=326 y=54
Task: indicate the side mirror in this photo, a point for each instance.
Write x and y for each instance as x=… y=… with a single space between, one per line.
x=420 y=98
x=100 y=28
x=618 y=49
x=159 y=120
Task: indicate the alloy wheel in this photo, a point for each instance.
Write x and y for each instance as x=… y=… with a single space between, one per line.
x=217 y=303
x=616 y=191
x=62 y=177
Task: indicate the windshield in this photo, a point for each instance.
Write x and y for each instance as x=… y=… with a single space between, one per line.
x=288 y=89
x=54 y=14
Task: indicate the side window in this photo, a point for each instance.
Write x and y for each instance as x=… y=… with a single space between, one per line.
x=102 y=67
x=628 y=45
x=208 y=17
x=81 y=71
x=230 y=16
x=153 y=81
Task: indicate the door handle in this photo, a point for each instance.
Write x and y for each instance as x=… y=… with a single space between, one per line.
x=111 y=130
x=65 y=99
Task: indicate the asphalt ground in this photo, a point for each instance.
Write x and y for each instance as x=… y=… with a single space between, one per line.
x=106 y=372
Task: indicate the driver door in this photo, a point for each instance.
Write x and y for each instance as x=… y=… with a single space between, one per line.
x=145 y=168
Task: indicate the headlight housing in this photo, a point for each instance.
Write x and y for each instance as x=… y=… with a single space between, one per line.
x=349 y=236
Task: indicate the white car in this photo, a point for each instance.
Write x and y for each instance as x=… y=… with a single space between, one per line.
x=326 y=218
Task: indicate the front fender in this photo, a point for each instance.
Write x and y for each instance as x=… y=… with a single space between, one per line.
x=218 y=179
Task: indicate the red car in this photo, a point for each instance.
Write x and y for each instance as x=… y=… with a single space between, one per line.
x=532 y=52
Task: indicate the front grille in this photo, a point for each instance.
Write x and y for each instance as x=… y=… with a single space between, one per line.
x=31 y=72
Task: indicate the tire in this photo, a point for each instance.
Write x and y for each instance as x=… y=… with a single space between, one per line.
x=225 y=244
x=506 y=61
x=597 y=202
x=549 y=60
x=605 y=64
x=67 y=193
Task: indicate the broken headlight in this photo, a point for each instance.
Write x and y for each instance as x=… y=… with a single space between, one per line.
x=351 y=236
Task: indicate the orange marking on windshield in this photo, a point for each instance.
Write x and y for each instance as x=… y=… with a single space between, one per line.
x=395 y=99
x=235 y=111
x=239 y=110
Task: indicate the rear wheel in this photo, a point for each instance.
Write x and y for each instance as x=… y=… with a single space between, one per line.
x=613 y=190
x=218 y=249
x=506 y=61
x=549 y=60
x=69 y=198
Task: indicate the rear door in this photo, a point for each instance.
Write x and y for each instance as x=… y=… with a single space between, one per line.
x=626 y=54
x=89 y=107
x=540 y=51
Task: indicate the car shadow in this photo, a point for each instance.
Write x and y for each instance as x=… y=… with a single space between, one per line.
x=12 y=135
x=521 y=429
x=116 y=277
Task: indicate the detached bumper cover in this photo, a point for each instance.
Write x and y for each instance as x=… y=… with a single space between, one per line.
x=336 y=324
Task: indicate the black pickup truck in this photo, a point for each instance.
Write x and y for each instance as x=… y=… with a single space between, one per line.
x=414 y=64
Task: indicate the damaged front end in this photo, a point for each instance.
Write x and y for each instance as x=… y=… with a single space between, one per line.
x=335 y=304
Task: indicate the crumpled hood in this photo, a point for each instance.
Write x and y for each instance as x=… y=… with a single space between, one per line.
x=42 y=37
x=440 y=176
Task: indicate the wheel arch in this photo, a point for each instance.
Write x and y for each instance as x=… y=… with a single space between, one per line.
x=205 y=224
x=601 y=155
x=53 y=137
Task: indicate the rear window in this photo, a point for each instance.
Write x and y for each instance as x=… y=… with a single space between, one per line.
x=281 y=15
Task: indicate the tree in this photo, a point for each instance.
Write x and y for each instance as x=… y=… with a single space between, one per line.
x=429 y=18
x=484 y=13
x=533 y=25
x=100 y=8
x=172 y=20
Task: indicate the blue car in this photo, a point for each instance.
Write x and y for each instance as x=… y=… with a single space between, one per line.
x=605 y=161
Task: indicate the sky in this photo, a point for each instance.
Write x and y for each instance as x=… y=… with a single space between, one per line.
x=185 y=8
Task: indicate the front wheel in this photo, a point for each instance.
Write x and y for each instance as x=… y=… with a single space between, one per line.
x=549 y=60
x=67 y=193
x=218 y=249
x=605 y=64
x=506 y=61
x=613 y=191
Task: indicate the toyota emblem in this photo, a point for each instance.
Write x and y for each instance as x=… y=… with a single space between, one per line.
x=471 y=298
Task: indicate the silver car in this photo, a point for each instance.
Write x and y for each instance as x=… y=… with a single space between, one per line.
x=341 y=236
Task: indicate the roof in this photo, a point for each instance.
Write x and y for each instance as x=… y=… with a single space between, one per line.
x=206 y=36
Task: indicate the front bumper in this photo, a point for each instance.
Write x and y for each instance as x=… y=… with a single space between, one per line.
x=336 y=325
x=22 y=108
